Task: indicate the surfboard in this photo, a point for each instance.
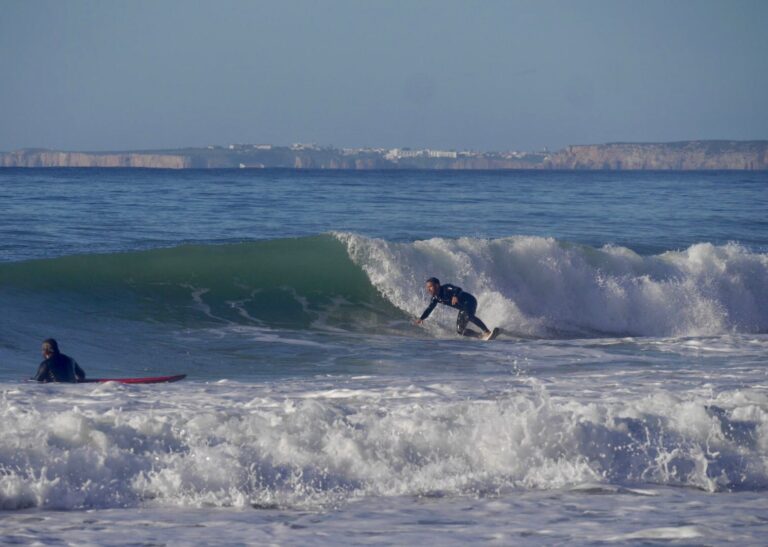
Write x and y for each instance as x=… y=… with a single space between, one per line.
x=494 y=333
x=149 y=380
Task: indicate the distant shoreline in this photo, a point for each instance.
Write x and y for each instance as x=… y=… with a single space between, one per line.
x=675 y=156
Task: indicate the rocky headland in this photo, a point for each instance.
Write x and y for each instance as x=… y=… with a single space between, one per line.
x=679 y=156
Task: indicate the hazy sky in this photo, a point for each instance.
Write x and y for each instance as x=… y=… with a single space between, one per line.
x=99 y=75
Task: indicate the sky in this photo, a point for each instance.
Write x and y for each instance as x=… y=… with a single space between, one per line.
x=476 y=75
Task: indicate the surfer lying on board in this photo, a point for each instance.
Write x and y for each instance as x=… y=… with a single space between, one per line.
x=453 y=296
x=56 y=366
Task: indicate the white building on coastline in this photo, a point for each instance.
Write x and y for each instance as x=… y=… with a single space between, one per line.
x=401 y=153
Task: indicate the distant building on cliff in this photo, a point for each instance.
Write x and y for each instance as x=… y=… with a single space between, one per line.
x=403 y=153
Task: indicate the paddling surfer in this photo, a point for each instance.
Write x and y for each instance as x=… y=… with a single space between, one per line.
x=455 y=297
x=57 y=367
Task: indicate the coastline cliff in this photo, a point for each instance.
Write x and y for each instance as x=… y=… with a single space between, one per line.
x=48 y=158
x=682 y=156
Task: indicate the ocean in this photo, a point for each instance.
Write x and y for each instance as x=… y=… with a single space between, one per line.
x=626 y=400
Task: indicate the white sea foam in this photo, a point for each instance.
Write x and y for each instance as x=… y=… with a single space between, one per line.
x=538 y=286
x=669 y=533
x=245 y=445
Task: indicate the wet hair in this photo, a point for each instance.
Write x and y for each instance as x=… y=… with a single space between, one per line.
x=52 y=344
x=433 y=280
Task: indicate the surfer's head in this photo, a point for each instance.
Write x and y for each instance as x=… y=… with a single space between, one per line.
x=433 y=285
x=50 y=346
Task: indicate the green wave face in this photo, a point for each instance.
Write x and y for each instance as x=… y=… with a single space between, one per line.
x=290 y=283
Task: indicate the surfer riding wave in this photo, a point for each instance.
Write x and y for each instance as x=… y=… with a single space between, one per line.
x=455 y=297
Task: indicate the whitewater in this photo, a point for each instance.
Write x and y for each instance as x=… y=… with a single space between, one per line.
x=625 y=401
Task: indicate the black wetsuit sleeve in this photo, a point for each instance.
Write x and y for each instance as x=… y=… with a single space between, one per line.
x=43 y=374
x=450 y=292
x=79 y=372
x=429 y=309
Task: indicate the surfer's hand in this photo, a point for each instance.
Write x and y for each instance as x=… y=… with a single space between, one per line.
x=454 y=300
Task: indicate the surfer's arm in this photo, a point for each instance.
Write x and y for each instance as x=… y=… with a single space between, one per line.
x=42 y=374
x=428 y=310
x=454 y=291
x=79 y=372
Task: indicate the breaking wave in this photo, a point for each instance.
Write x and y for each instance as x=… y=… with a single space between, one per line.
x=529 y=286
x=544 y=287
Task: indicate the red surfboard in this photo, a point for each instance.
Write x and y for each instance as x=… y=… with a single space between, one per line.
x=150 y=380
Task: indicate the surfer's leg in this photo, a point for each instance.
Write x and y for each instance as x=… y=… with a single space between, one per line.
x=476 y=320
x=461 y=325
x=467 y=314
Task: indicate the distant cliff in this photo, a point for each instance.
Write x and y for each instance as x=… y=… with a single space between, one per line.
x=254 y=157
x=688 y=155
x=48 y=158
x=682 y=156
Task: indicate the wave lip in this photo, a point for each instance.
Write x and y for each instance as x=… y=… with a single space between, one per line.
x=544 y=287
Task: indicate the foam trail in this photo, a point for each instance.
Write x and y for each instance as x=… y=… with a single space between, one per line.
x=542 y=287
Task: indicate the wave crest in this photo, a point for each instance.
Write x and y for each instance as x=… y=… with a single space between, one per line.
x=544 y=287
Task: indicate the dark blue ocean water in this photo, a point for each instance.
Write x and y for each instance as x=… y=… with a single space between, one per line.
x=56 y=212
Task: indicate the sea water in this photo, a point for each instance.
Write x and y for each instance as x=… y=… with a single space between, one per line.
x=625 y=401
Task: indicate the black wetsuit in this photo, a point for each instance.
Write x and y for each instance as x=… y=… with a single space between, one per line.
x=467 y=306
x=59 y=368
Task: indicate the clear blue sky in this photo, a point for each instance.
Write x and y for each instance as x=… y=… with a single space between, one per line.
x=100 y=75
